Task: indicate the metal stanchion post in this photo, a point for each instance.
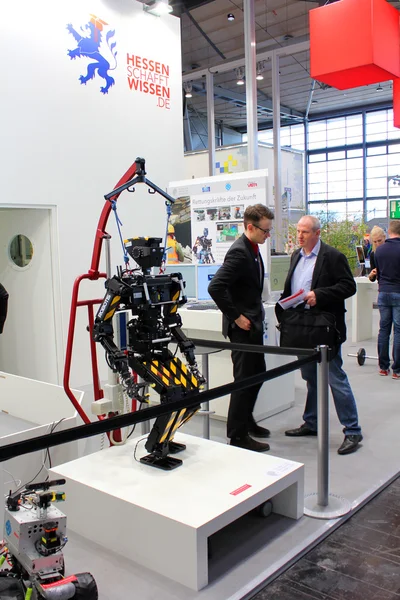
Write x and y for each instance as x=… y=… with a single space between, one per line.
x=323 y=428
x=323 y=505
x=205 y=405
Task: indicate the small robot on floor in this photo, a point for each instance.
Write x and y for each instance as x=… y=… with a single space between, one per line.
x=34 y=538
x=153 y=301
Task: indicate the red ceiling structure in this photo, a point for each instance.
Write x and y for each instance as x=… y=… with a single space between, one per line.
x=355 y=43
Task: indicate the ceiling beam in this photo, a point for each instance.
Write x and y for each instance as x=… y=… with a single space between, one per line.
x=231 y=65
x=237 y=98
x=203 y=33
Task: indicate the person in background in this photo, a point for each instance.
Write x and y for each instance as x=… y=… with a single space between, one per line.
x=377 y=237
x=174 y=249
x=324 y=274
x=387 y=260
x=236 y=288
x=3 y=306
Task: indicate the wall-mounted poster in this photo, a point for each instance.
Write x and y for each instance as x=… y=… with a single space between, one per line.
x=217 y=206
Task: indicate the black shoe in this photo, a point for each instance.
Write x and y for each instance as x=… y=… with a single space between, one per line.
x=258 y=431
x=350 y=444
x=302 y=430
x=249 y=444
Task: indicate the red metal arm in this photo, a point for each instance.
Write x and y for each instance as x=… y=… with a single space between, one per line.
x=93 y=274
x=105 y=213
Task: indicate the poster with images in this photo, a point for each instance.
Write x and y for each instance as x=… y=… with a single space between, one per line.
x=179 y=237
x=217 y=206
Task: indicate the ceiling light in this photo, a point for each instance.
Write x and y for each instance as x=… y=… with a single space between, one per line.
x=231 y=17
x=187 y=86
x=240 y=76
x=314 y=101
x=158 y=8
x=379 y=88
x=260 y=69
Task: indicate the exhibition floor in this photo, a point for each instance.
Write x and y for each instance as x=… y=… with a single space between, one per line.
x=359 y=561
x=249 y=553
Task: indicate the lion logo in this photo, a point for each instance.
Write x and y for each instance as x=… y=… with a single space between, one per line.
x=89 y=41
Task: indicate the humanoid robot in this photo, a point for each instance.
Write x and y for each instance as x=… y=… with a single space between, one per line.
x=204 y=242
x=153 y=301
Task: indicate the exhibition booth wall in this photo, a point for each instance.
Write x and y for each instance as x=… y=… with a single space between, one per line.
x=88 y=88
x=234 y=159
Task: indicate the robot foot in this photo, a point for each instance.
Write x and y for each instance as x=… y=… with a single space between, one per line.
x=165 y=463
x=174 y=447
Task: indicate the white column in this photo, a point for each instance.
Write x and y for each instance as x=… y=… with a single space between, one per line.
x=251 y=83
x=276 y=102
x=210 y=122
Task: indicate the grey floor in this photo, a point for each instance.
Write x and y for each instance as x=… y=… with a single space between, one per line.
x=359 y=561
x=249 y=554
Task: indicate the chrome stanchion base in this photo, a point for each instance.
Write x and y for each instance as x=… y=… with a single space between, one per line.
x=337 y=507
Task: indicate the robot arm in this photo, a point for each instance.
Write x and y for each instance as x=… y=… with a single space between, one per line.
x=117 y=292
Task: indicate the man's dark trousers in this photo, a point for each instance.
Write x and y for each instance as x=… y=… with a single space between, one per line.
x=245 y=364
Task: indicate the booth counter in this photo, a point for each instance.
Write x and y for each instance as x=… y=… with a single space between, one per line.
x=274 y=397
x=359 y=309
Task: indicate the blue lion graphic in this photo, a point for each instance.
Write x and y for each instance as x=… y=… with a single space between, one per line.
x=90 y=47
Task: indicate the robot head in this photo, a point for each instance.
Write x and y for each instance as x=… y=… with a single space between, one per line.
x=205 y=232
x=171 y=228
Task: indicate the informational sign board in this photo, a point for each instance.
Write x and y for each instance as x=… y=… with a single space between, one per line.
x=395 y=209
x=207 y=216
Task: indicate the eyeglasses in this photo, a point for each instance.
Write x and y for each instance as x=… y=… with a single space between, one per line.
x=266 y=231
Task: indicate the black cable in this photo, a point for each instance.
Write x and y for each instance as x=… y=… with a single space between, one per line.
x=53 y=428
x=43 y=465
x=137 y=444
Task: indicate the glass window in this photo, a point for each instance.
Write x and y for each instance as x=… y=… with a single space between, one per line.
x=376 y=187
x=376 y=172
x=377 y=161
x=339 y=172
x=355 y=153
x=317 y=208
x=317 y=177
x=337 y=165
x=319 y=167
x=394 y=161
x=377 y=209
x=375 y=150
x=393 y=134
x=336 y=155
x=355 y=209
x=317 y=157
x=264 y=136
x=354 y=163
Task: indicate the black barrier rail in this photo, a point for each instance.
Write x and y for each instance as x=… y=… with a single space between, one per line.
x=253 y=348
x=84 y=431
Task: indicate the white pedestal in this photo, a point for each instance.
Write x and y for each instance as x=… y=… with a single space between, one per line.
x=361 y=309
x=162 y=520
x=274 y=397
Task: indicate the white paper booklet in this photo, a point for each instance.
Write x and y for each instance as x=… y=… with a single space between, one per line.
x=292 y=300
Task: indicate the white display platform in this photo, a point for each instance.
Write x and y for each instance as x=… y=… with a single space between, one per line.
x=162 y=520
x=361 y=306
x=275 y=395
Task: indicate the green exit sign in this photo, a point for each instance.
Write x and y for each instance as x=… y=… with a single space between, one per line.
x=395 y=209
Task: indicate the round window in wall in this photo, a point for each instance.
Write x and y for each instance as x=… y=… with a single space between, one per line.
x=21 y=250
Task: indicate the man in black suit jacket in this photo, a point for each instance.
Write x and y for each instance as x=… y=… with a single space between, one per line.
x=324 y=273
x=236 y=288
